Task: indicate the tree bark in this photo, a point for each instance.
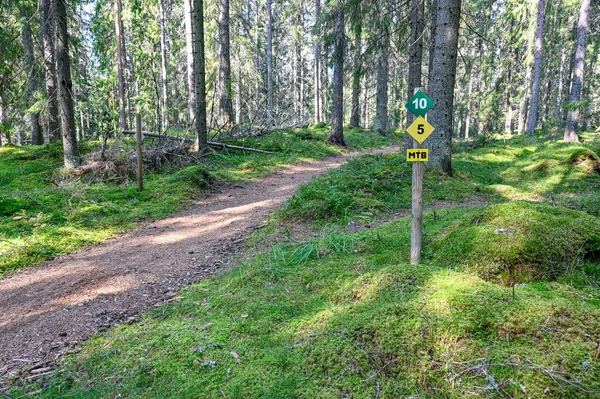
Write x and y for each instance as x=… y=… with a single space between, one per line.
x=163 y=65
x=355 y=108
x=189 y=46
x=537 y=70
x=226 y=116
x=120 y=68
x=573 y=115
x=432 y=35
x=200 y=76
x=298 y=64
x=337 y=109
x=67 y=118
x=50 y=67
x=317 y=83
x=415 y=57
x=442 y=80
x=383 y=71
x=33 y=115
x=269 y=63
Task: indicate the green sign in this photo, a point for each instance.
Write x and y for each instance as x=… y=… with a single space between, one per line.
x=419 y=104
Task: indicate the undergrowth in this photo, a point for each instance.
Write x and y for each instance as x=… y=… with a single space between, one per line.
x=43 y=215
x=345 y=316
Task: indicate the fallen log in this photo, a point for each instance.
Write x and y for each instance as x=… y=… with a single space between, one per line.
x=214 y=144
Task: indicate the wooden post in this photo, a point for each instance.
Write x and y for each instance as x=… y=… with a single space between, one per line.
x=140 y=161
x=416 y=231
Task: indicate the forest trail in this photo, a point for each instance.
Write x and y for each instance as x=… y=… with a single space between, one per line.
x=46 y=310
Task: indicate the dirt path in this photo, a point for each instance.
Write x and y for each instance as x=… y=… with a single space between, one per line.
x=46 y=310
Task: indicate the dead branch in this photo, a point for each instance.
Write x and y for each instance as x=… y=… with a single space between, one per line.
x=214 y=144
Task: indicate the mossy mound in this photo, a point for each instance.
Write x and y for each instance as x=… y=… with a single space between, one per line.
x=519 y=241
x=588 y=160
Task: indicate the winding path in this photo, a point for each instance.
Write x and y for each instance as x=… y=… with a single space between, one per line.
x=46 y=310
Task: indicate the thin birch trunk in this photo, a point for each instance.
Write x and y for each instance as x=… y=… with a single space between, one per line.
x=163 y=65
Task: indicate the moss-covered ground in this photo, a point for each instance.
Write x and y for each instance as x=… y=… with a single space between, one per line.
x=506 y=303
x=42 y=215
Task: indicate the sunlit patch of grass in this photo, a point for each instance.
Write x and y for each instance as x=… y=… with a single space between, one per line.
x=41 y=219
x=353 y=322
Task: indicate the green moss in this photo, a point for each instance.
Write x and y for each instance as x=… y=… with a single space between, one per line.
x=369 y=186
x=519 y=241
x=348 y=323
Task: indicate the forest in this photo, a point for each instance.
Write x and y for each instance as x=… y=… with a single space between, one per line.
x=511 y=66
x=221 y=199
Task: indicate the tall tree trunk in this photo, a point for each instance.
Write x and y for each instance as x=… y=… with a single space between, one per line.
x=537 y=70
x=355 y=107
x=317 y=85
x=200 y=76
x=573 y=115
x=4 y=131
x=508 y=105
x=163 y=64
x=67 y=118
x=415 y=57
x=469 y=100
x=365 y=103
x=383 y=71
x=189 y=49
x=37 y=137
x=433 y=11
x=269 y=63
x=561 y=84
x=298 y=64
x=337 y=109
x=120 y=73
x=50 y=66
x=226 y=116
x=442 y=79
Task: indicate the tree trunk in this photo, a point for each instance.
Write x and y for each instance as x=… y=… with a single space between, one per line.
x=337 y=109
x=573 y=115
x=200 y=76
x=298 y=64
x=69 y=138
x=381 y=108
x=317 y=85
x=365 y=115
x=226 y=116
x=4 y=131
x=355 y=108
x=537 y=70
x=269 y=63
x=415 y=57
x=442 y=79
x=189 y=46
x=469 y=100
x=121 y=81
x=163 y=64
x=50 y=66
x=434 y=11
x=37 y=137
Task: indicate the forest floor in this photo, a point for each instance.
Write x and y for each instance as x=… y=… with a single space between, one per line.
x=46 y=310
x=319 y=301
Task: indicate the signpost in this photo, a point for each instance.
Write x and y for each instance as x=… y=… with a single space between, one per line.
x=419 y=130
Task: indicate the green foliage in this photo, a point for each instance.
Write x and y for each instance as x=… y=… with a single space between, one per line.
x=518 y=242
x=42 y=215
x=371 y=185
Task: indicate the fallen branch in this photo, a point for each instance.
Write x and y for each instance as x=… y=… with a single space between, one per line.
x=214 y=144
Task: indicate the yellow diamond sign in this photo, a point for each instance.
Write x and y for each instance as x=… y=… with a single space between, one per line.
x=420 y=129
